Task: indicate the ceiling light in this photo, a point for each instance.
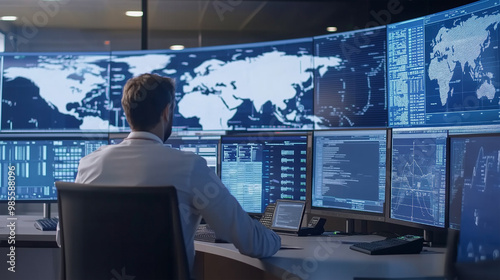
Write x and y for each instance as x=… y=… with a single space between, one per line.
x=177 y=47
x=8 y=18
x=331 y=29
x=134 y=13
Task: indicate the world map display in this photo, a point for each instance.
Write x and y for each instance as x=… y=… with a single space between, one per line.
x=260 y=86
x=463 y=67
x=241 y=87
x=352 y=92
x=55 y=92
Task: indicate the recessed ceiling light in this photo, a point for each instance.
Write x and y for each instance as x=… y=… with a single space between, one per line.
x=8 y=18
x=331 y=29
x=177 y=47
x=134 y=13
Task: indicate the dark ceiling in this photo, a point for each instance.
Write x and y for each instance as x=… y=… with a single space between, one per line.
x=196 y=23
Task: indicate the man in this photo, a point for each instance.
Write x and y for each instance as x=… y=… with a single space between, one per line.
x=142 y=160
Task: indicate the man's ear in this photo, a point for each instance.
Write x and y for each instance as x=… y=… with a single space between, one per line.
x=165 y=114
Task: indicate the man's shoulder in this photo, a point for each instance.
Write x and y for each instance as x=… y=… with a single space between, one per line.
x=95 y=153
x=186 y=155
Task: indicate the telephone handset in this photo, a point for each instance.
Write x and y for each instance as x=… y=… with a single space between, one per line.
x=314 y=227
x=267 y=217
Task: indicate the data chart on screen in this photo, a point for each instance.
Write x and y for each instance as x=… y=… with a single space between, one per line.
x=418 y=177
x=478 y=181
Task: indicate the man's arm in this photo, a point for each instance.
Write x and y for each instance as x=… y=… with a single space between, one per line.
x=226 y=216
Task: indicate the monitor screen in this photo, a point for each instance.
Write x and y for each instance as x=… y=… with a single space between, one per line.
x=40 y=161
x=474 y=167
x=349 y=173
x=350 y=80
x=249 y=87
x=261 y=169
x=418 y=179
x=443 y=68
x=288 y=215
x=54 y=91
x=479 y=222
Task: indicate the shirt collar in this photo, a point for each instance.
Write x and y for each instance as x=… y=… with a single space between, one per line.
x=144 y=135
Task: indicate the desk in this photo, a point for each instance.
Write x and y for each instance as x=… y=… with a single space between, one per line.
x=25 y=230
x=321 y=257
x=324 y=257
x=37 y=256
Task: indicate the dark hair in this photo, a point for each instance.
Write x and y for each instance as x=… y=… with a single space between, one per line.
x=144 y=99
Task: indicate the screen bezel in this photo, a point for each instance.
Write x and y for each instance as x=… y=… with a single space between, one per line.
x=49 y=137
x=346 y=213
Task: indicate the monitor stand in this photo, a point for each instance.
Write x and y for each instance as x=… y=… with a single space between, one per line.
x=349 y=226
x=428 y=237
x=46 y=210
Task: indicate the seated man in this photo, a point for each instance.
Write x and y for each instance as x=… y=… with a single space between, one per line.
x=142 y=160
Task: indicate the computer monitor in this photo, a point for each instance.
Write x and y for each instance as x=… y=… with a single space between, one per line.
x=40 y=160
x=288 y=215
x=258 y=86
x=443 y=68
x=349 y=173
x=260 y=169
x=418 y=178
x=54 y=92
x=350 y=79
x=480 y=225
x=474 y=172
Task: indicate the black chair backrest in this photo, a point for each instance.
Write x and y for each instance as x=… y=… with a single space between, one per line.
x=115 y=232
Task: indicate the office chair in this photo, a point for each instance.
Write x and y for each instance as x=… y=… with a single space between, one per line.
x=115 y=232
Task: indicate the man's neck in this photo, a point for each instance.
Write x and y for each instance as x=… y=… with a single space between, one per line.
x=157 y=130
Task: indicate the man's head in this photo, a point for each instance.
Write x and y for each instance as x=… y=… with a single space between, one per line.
x=148 y=101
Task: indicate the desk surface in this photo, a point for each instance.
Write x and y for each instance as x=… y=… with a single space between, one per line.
x=25 y=229
x=319 y=257
x=324 y=257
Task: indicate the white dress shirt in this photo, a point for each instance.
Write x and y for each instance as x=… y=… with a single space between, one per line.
x=141 y=159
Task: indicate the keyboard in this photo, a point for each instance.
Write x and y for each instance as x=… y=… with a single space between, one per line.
x=47 y=224
x=206 y=234
x=408 y=244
